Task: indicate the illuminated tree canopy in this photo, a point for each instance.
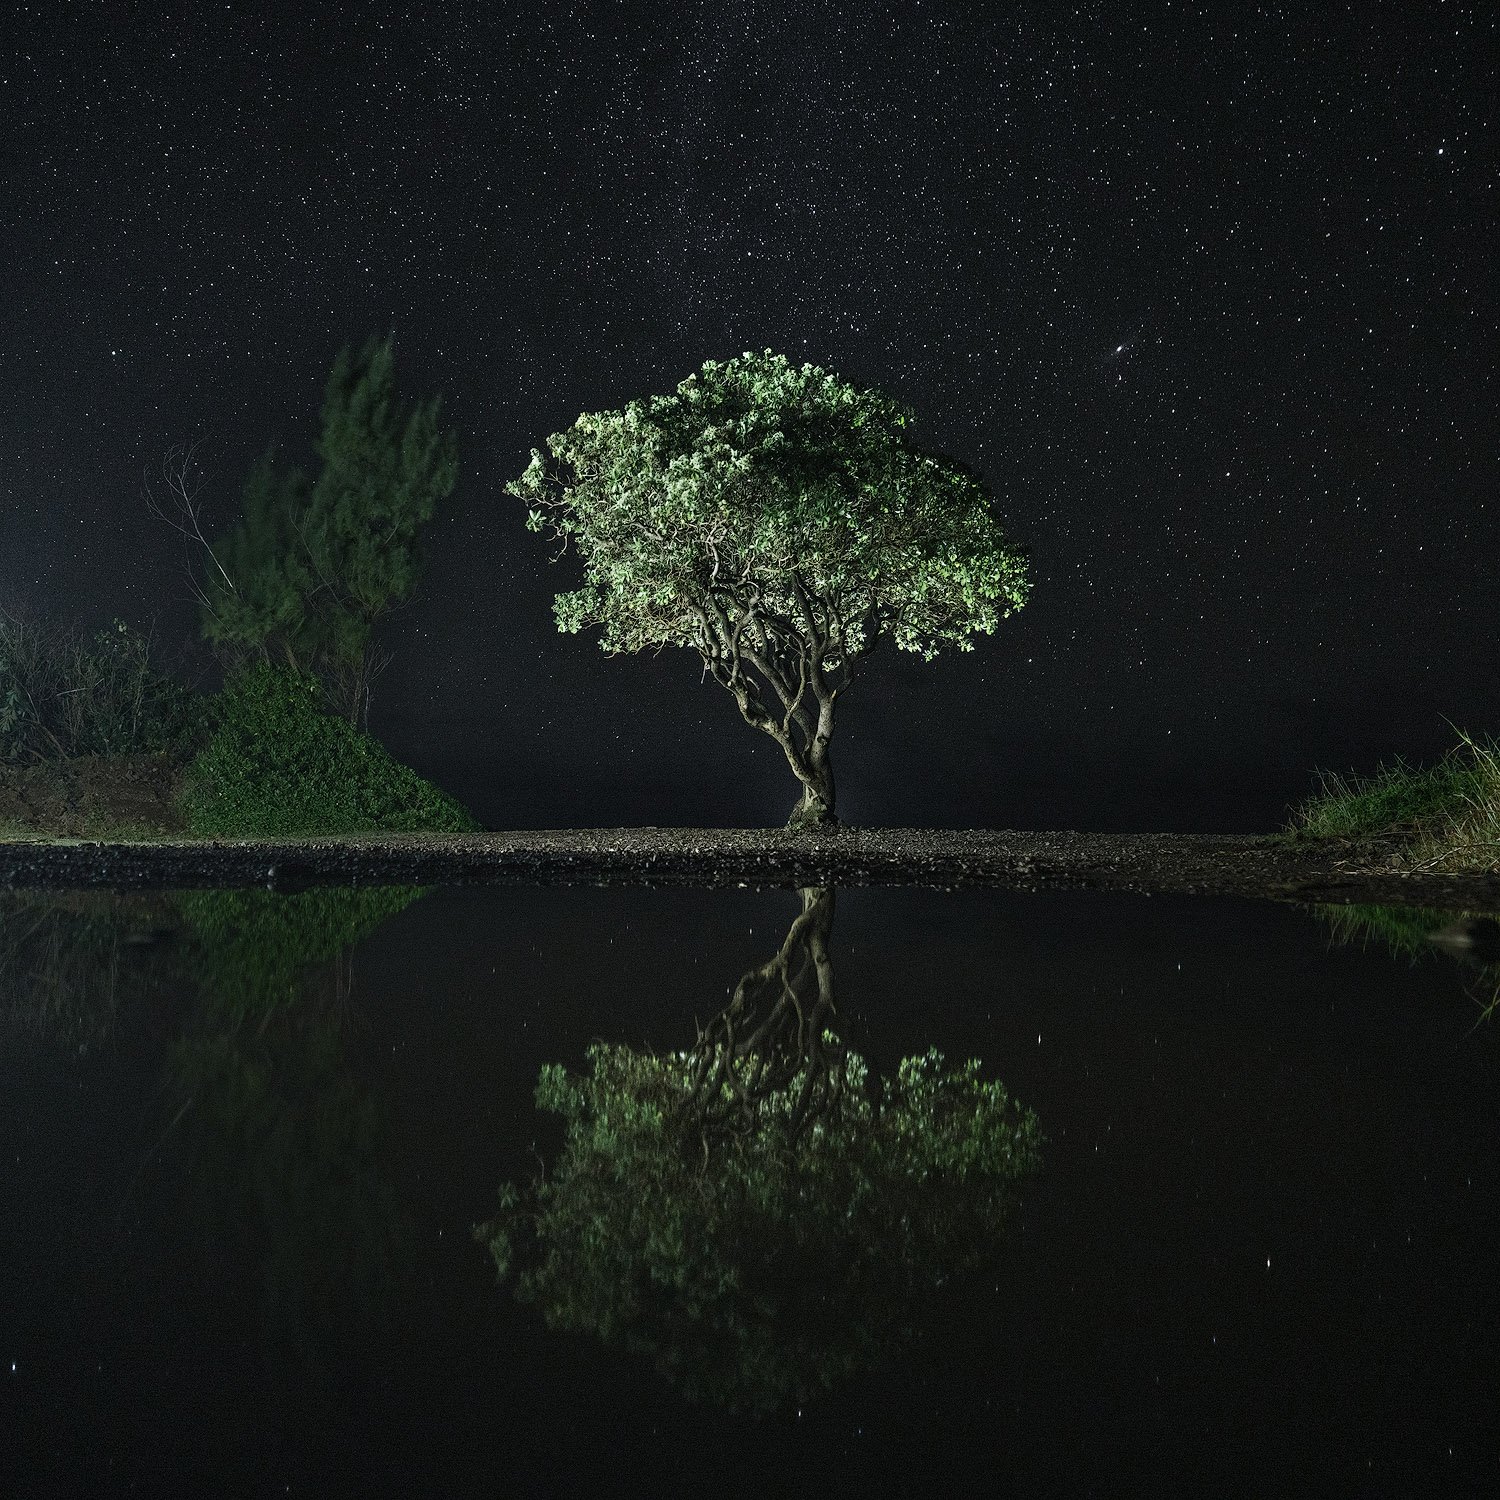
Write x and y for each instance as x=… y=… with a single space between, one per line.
x=777 y=520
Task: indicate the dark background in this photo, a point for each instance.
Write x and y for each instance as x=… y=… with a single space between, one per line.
x=1208 y=293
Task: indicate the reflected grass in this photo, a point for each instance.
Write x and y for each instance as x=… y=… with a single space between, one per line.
x=1405 y=930
x=1416 y=933
x=71 y=965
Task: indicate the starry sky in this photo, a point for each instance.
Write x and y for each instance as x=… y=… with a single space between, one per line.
x=1206 y=291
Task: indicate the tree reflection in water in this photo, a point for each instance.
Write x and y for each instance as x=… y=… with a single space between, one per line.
x=757 y=1213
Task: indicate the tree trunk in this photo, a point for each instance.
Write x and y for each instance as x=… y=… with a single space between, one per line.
x=814 y=808
x=814 y=770
x=359 y=707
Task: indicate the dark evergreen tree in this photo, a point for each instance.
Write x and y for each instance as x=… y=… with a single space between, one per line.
x=315 y=564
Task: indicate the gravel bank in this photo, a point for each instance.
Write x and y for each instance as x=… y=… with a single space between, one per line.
x=1207 y=864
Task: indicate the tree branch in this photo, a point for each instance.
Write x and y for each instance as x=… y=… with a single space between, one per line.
x=181 y=509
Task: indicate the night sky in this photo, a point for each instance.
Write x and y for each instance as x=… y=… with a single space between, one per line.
x=1207 y=292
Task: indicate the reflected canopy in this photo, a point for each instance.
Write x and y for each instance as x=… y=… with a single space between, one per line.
x=758 y=1213
x=1414 y=932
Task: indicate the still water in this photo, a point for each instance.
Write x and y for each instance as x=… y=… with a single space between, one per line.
x=827 y=1192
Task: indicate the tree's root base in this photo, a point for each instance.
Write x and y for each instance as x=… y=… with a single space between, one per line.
x=811 y=819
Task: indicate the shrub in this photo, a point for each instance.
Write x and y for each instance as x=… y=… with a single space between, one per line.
x=276 y=764
x=66 y=694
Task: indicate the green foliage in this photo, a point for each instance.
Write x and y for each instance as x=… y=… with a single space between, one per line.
x=1405 y=930
x=777 y=520
x=1448 y=814
x=253 y=949
x=314 y=564
x=276 y=764
x=258 y=594
x=762 y=483
x=1394 y=797
x=65 y=694
x=385 y=466
x=765 y=1264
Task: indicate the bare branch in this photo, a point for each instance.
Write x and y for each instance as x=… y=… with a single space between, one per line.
x=173 y=498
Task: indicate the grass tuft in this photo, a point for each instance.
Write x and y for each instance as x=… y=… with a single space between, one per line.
x=1448 y=814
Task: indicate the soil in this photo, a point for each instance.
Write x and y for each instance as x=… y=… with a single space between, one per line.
x=90 y=796
x=1273 y=866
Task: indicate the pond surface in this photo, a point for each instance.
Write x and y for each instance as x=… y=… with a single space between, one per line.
x=1216 y=1212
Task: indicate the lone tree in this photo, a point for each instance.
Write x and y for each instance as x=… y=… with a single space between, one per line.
x=314 y=564
x=777 y=520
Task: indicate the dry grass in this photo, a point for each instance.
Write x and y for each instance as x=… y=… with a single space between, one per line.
x=1467 y=836
x=1447 y=815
